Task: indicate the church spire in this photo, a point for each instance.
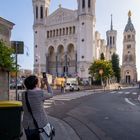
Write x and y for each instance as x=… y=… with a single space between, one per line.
x=111 y=27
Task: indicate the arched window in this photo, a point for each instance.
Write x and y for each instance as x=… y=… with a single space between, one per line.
x=36 y=12
x=89 y=4
x=83 y=3
x=110 y=40
x=73 y=29
x=113 y=40
x=48 y=34
x=41 y=12
x=63 y=31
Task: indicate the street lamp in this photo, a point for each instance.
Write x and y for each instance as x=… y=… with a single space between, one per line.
x=101 y=73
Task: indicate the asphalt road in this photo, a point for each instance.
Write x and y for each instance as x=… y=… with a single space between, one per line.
x=109 y=115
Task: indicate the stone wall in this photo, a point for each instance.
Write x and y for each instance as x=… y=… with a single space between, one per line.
x=4 y=86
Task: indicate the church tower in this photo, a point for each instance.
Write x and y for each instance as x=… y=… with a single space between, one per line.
x=128 y=69
x=86 y=38
x=111 y=36
x=41 y=12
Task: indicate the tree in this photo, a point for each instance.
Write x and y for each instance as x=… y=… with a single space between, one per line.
x=7 y=61
x=102 y=57
x=97 y=65
x=115 y=66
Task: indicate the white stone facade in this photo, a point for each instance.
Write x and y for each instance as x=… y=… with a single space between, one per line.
x=65 y=42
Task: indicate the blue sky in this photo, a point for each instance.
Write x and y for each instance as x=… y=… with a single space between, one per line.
x=20 y=12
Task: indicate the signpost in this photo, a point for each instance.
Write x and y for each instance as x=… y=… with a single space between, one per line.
x=18 y=47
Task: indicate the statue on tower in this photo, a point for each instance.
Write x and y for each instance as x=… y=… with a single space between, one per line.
x=129 y=14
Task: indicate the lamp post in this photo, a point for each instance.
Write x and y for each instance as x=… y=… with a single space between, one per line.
x=101 y=73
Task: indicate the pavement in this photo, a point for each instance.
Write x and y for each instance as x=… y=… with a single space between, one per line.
x=62 y=130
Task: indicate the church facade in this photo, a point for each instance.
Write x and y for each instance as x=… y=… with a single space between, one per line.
x=66 y=42
x=128 y=68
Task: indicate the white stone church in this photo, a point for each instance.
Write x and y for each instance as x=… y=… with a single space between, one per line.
x=66 y=41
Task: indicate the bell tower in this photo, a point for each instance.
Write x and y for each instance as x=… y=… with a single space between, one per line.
x=41 y=12
x=128 y=69
x=86 y=7
x=111 y=36
x=86 y=38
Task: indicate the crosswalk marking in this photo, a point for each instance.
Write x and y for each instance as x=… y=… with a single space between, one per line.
x=134 y=93
x=124 y=92
x=113 y=92
x=127 y=92
x=65 y=97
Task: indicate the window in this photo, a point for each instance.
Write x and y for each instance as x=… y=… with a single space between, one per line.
x=60 y=32
x=110 y=40
x=53 y=33
x=41 y=12
x=83 y=3
x=36 y=10
x=128 y=36
x=70 y=29
x=113 y=40
x=82 y=57
x=83 y=40
x=73 y=29
x=128 y=46
x=89 y=4
x=35 y=46
x=67 y=30
x=47 y=34
x=57 y=32
x=63 y=31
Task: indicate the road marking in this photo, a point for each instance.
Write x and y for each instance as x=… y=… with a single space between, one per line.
x=134 y=93
x=127 y=100
x=120 y=92
x=127 y=92
x=113 y=92
x=139 y=97
x=65 y=97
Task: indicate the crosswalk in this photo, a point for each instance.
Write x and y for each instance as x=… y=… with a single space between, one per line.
x=65 y=97
x=124 y=92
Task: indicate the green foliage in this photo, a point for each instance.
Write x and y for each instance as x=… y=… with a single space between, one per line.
x=106 y=66
x=102 y=57
x=6 y=59
x=115 y=66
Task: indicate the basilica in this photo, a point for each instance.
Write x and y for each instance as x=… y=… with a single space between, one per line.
x=66 y=42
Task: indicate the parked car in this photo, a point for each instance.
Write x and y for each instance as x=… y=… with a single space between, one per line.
x=19 y=85
x=72 y=87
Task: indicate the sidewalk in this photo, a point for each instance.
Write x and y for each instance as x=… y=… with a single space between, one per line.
x=62 y=129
